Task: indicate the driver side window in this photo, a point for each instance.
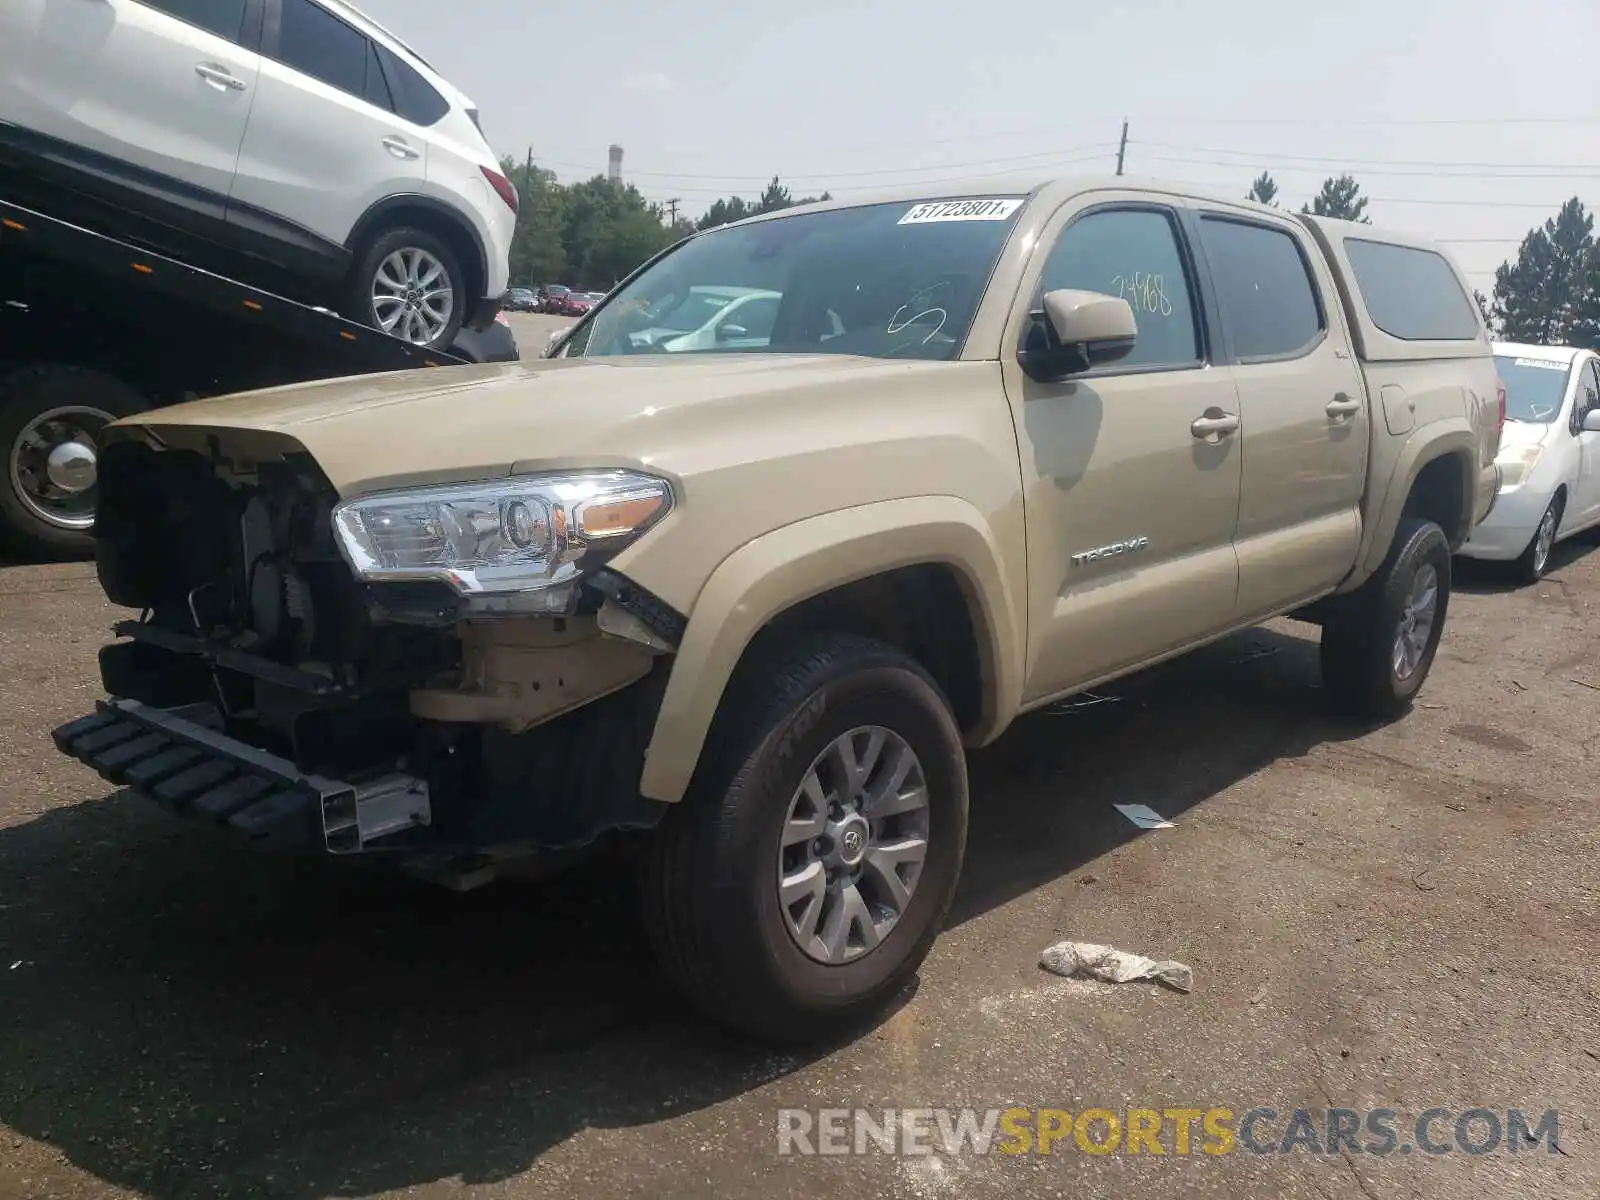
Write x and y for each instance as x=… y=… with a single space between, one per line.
x=1134 y=254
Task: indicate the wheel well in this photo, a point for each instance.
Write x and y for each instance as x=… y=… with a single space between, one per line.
x=921 y=610
x=437 y=221
x=1439 y=494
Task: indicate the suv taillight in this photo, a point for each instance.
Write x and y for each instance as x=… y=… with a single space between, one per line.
x=1500 y=399
x=502 y=187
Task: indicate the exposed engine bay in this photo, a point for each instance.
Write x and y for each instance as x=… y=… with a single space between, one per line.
x=520 y=731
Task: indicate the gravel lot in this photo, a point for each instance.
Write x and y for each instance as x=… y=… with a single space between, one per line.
x=1402 y=918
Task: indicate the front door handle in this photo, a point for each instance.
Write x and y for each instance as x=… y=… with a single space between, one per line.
x=219 y=77
x=1342 y=406
x=1213 y=425
x=400 y=148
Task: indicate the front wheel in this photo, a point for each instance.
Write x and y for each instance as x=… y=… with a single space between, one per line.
x=410 y=285
x=1535 y=559
x=808 y=872
x=1378 y=643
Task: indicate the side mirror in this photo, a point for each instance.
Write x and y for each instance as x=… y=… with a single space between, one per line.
x=556 y=335
x=728 y=332
x=1074 y=331
x=1591 y=421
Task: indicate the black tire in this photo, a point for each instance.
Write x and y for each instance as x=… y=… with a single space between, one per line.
x=709 y=877
x=1530 y=566
x=358 y=304
x=1359 y=635
x=26 y=394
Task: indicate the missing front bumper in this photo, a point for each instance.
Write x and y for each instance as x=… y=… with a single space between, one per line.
x=180 y=758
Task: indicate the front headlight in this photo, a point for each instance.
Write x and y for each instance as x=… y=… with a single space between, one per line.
x=1517 y=465
x=511 y=545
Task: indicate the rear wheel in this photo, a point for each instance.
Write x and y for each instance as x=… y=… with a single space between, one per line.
x=51 y=419
x=410 y=285
x=1378 y=643
x=806 y=876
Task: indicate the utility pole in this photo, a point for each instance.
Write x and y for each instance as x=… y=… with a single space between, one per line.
x=672 y=210
x=1122 y=146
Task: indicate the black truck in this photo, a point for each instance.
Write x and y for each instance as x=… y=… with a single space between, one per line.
x=93 y=328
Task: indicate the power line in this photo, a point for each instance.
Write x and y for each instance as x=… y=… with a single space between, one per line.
x=1256 y=156
x=1096 y=149
x=1591 y=172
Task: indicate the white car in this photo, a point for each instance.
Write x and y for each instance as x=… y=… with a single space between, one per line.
x=295 y=143
x=714 y=318
x=1549 y=456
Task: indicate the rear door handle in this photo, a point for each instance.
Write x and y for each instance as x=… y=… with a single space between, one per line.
x=1342 y=406
x=219 y=77
x=1213 y=425
x=400 y=148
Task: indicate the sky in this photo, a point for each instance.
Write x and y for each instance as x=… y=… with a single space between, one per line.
x=1464 y=120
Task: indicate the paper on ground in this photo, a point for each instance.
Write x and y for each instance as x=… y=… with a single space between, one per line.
x=1106 y=963
x=1144 y=816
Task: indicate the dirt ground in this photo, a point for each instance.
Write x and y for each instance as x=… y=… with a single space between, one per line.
x=1403 y=919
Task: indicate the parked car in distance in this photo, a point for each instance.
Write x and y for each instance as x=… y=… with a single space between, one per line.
x=550 y=297
x=519 y=299
x=748 y=607
x=295 y=144
x=1549 y=456
x=577 y=303
x=704 y=318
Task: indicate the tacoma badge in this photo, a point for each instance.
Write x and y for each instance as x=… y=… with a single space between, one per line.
x=1125 y=547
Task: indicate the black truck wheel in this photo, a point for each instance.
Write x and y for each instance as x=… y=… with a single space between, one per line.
x=409 y=284
x=50 y=422
x=805 y=877
x=1378 y=643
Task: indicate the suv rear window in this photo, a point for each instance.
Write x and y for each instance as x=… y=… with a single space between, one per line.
x=1411 y=294
x=415 y=98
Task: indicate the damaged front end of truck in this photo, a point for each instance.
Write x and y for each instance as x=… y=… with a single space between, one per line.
x=450 y=676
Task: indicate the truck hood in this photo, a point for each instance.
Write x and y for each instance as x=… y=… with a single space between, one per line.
x=451 y=424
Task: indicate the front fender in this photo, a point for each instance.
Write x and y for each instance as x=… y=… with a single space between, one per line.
x=778 y=570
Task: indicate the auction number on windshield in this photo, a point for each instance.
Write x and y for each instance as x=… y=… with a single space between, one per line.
x=1144 y=292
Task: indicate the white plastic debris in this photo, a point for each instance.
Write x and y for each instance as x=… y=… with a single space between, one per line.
x=1144 y=816
x=1110 y=965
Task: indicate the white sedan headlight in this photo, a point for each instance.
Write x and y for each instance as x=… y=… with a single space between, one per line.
x=1517 y=465
x=507 y=545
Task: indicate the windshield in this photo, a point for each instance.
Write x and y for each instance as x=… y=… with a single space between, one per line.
x=555 y=289
x=1535 y=387
x=883 y=280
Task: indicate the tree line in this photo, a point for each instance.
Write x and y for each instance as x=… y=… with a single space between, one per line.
x=589 y=235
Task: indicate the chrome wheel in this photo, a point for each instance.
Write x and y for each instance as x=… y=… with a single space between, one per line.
x=1543 y=539
x=53 y=465
x=1416 y=622
x=412 y=296
x=853 y=844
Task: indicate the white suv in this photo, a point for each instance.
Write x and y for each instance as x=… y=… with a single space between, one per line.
x=293 y=142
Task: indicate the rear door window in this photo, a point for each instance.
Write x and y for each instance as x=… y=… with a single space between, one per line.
x=1269 y=302
x=1412 y=294
x=316 y=43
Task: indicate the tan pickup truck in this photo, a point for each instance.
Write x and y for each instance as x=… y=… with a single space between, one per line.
x=740 y=587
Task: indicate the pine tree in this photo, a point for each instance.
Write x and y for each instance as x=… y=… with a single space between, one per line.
x=1340 y=198
x=1264 y=190
x=1548 y=296
x=775 y=197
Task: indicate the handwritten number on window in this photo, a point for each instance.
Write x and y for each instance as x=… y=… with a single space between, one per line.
x=1144 y=292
